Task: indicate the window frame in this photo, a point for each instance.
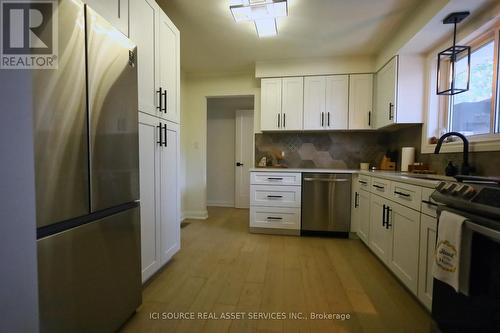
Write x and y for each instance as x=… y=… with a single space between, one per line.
x=438 y=106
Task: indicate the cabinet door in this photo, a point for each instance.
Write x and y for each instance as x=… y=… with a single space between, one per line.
x=364 y=216
x=170 y=199
x=168 y=67
x=270 y=110
x=292 y=109
x=114 y=11
x=149 y=167
x=428 y=234
x=314 y=102
x=360 y=101
x=143 y=23
x=405 y=229
x=337 y=102
x=387 y=94
x=379 y=237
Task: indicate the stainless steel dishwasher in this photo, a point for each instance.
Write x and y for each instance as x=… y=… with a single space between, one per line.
x=326 y=203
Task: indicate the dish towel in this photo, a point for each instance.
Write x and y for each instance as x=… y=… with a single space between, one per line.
x=447 y=263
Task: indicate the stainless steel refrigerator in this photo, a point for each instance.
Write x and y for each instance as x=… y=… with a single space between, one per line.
x=87 y=177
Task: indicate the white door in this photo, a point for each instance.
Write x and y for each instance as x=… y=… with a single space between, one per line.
x=292 y=108
x=364 y=215
x=149 y=168
x=379 y=235
x=114 y=11
x=314 y=102
x=428 y=234
x=270 y=109
x=337 y=102
x=360 y=101
x=403 y=261
x=143 y=22
x=168 y=67
x=244 y=157
x=170 y=199
x=386 y=94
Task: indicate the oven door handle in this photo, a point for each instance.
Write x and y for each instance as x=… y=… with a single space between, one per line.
x=490 y=233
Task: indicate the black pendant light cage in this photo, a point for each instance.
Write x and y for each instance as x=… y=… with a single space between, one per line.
x=447 y=83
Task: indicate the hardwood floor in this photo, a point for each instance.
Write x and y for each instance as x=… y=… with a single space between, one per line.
x=222 y=268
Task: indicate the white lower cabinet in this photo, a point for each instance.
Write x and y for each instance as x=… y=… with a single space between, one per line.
x=428 y=234
x=159 y=192
x=397 y=231
x=275 y=218
x=404 y=226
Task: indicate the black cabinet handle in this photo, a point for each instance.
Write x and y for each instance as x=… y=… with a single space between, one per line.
x=239 y=164
x=378 y=186
x=284 y=120
x=383 y=215
x=160 y=129
x=430 y=203
x=391 y=115
x=275 y=196
x=356 y=200
x=369 y=118
x=328 y=116
x=387 y=222
x=362 y=182
x=159 y=92
x=274 y=178
x=165 y=101
x=165 y=143
x=274 y=218
x=322 y=119
x=402 y=194
x=279 y=122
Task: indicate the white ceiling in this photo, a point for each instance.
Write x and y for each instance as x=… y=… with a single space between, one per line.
x=212 y=42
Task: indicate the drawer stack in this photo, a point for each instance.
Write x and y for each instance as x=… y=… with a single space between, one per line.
x=275 y=201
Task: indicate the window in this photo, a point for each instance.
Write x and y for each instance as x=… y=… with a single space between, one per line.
x=475 y=111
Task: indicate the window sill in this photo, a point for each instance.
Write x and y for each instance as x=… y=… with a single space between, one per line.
x=476 y=144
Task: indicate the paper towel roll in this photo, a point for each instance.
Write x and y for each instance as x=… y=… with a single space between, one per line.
x=407 y=157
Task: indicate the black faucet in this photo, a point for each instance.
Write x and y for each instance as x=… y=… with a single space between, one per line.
x=466 y=169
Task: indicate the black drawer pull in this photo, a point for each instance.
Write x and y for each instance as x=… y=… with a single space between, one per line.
x=378 y=186
x=274 y=218
x=402 y=194
x=275 y=196
x=274 y=178
x=430 y=203
x=362 y=182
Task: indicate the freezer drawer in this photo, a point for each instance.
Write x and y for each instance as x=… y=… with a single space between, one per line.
x=90 y=276
x=326 y=202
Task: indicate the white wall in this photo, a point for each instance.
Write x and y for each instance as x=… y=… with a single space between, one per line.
x=194 y=126
x=18 y=259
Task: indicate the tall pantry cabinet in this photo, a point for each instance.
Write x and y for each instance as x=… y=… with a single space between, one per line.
x=158 y=57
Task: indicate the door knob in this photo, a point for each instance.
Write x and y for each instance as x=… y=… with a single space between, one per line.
x=239 y=164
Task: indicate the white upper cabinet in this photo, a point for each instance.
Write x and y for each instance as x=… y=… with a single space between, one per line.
x=270 y=109
x=292 y=103
x=326 y=105
x=337 y=102
x=114 y=11
x=399 y=91
x=143 y=23
x=360 y=101
x=314 y=102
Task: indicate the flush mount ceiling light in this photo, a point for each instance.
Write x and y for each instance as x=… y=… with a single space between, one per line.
x=453 y=71
x=262 y=12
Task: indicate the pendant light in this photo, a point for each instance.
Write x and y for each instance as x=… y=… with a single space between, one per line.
x=453 y=78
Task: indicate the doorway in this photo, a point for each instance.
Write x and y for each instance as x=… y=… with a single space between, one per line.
x=230 y=150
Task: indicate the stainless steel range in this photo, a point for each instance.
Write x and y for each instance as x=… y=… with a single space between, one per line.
x=478 y=200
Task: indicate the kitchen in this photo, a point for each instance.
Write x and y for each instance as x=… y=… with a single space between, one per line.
x=250 y=166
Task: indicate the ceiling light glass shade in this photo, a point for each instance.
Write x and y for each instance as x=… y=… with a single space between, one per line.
x=258 y=10
x=266 y=27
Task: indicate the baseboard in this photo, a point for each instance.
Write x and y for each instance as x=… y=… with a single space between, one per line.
x=194 y=215
x=220 y=204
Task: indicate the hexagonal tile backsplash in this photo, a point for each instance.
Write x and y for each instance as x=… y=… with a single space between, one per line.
x=338 y=150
